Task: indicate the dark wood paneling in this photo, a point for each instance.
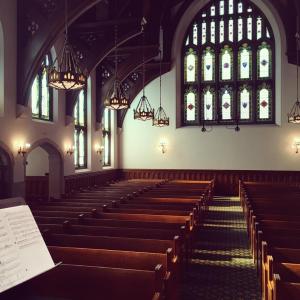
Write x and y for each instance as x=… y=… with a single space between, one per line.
x=226 y=181
x=37 y=187
x=83 y=180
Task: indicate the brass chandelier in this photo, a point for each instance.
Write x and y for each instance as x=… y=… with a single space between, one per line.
x=118 y=99
x=68 y=75
x=160 y=118
x=143 y=110
x=294 y=115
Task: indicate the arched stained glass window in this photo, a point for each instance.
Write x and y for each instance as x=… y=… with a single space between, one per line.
x=106 y=132
x=41 y=94
x=228 y=68
x=80 y=132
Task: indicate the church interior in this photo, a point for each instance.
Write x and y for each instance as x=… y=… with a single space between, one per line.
x=155 y=145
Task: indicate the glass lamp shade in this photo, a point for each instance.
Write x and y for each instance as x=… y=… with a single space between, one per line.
x=161 y=119
x=68 y=75
x=143 y=110
x=294 y=115
x=118 y=99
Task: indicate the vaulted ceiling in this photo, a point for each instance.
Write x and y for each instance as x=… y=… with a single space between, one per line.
x=91 y=30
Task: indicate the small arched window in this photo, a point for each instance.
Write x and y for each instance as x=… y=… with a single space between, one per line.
x=228 y=66
x=41 y=94
x=80 y=132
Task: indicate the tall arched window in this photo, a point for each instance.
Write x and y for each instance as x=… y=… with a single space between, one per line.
x=41 y=94
x=228 y=66
x=106 y=132
x=80 y=132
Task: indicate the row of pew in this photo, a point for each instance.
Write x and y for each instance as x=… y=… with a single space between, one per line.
x=126 y=240
x=272 y=212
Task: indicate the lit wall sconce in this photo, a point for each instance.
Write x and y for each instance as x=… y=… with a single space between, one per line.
x=163 y=147
x=23 y=149
x=70 y=150
x=296 y=146
x=99 y=149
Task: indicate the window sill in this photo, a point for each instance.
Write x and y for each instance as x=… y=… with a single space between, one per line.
x=43 y=121
x=82 y=170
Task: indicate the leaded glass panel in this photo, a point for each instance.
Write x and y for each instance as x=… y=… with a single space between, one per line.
x=264 y=61
x=190 y=66
x=245 y=62
x=234 y=54
x=35 y=98
x=226 y=63
x=107 y=133
x=208 y=65
x=226 y=103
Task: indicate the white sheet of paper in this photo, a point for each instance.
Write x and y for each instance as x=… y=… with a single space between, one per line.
x=23 y=252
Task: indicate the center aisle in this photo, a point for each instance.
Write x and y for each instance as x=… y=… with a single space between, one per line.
x=222 y=267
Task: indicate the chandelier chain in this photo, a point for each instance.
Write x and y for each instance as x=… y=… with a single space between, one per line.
x=160 y=63
x=66 y=19
x=143 y=61
x=297 y=54
x=116 y=55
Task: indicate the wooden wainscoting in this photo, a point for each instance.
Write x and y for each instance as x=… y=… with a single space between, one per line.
x=226 y=181
x=37 y=187
x=83 y=180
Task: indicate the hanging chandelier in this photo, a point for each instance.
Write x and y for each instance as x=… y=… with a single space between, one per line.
x=118 y=99
x=294 y=115
x=143 y=110
x=68 y=75
x=160 y=118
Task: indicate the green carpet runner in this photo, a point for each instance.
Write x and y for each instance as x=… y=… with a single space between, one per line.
x=221 y=266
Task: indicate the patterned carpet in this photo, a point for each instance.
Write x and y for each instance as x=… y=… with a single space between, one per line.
x=222 y=267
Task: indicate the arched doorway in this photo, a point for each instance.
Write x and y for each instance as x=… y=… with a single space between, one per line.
x=44 y=171
x=5 y=174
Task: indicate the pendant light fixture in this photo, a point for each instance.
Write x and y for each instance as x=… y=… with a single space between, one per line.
x=143 y=110
x=294 y=115
x=160 y=118
x=68 y=75
x=118 y=99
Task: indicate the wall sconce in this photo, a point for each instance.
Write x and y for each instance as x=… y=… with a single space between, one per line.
x=163 y=147
x=99 y=149
x=23 y=149
x=70 y=150
x=297 y=145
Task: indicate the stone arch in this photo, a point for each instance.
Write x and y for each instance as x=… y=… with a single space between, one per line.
x=280 y=40
x=56 y=167
x=6 y=171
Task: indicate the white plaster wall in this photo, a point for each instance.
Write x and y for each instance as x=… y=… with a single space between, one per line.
x=37 y=162
x=265 y=147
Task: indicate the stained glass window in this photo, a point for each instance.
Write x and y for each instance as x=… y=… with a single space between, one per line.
x=195 y=34
x=41 y=94
x=80 y=132
x=235 y=57
x=106 y=132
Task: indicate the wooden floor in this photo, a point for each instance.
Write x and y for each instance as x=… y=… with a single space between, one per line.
x=222 y=267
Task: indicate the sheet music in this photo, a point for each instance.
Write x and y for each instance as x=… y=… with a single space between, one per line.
x=23 y=252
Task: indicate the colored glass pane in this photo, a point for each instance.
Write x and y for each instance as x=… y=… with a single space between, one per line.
x=75 y=147
x=208 y=105
x=259 y=28
x=81 y=149
x=208 y=65
x=226 y=105
x=190 y=67
x=190 y=106
x=240 y=29
x=106 y=150
x=213 y=32
x=213 y=11
x=230 y=30
x=221 y=31
x=226 y=64
x=268 y=33
x=264 y=61
x=81 y=108
x=203 y=33
x=35 y=98
x=187 y=41
x=240 y=7
x=245 y=62
x=222 y=8
x=195 y=34
x=249 y=28
x=263 y=103
x=244 y=104
x=45 y=109
x=230 y=7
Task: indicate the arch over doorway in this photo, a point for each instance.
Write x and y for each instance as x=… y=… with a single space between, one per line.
x=55 y=170
x=6 y=171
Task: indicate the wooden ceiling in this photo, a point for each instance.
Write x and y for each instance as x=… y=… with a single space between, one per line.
x=91 y=31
